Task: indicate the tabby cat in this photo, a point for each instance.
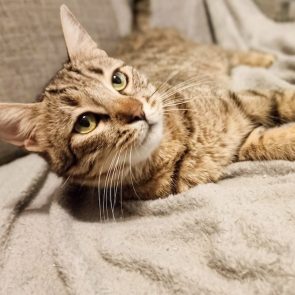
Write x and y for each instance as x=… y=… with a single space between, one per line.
x=102 y=123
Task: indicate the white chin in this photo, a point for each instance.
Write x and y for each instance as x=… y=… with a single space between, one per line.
x=151 y=140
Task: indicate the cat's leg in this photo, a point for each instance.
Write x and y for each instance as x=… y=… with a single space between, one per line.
x=251 y=58
x=277 y=143
x=195 y=168
x=267 y=107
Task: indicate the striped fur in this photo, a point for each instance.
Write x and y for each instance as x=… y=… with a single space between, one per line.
x=193 y=128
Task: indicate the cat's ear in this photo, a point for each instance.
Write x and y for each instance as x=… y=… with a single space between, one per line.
x=17 y=125
x=78 y=41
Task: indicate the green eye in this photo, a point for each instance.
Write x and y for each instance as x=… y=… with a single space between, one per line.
x=86 y=123
x=119 y=81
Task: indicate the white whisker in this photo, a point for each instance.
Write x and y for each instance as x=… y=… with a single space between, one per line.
x=131 y=175
x=105 y=204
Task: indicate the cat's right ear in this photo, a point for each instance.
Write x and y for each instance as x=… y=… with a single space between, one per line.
x=18 y=126
x=79 y=43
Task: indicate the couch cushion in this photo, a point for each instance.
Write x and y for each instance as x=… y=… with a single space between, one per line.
x=32 y=48
x=188 y=17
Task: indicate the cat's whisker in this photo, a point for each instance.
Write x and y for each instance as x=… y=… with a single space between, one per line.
x=120 y=177
x=159 y=88
x=174 y=110
x=101 y=206
x=104 y=206
x=173 y=91
x=190 y=80
x=178 y=103
x=66 y=181
x=184 y=102
x=112 y=200
x=170 y=97
x=101 y=210
x=131 y=174
x=118 y=168
x=121 y=191
x=99 y=203
x=106 y=186
x=112 y=187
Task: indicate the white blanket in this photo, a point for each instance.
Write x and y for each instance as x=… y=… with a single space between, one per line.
x=233 y=237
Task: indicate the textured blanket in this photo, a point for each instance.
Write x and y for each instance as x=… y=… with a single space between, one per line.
x=233 y=237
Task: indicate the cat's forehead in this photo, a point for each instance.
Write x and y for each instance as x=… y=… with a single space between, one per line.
x=83 y=74
x=104 y=62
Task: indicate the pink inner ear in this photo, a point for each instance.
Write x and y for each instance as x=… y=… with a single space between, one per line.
x=10 y=133
x=16 y=124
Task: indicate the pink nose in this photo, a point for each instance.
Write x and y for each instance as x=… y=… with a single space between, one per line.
x=130 y=110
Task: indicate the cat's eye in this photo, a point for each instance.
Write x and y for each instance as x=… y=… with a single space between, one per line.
x=119 y=81
x=86 y=123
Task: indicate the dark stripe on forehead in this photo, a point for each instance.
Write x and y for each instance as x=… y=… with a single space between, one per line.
x=59 y=89
x=75 y=70
x=95 y=70
x=70 y=101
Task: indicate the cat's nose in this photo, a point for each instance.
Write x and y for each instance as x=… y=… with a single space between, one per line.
x=131 y=111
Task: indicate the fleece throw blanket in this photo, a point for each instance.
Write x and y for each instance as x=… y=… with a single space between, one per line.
x=233 y=237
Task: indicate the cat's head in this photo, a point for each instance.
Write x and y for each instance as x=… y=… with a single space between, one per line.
x=94 y=115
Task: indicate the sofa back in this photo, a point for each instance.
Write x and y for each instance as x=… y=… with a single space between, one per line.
x=32 y=48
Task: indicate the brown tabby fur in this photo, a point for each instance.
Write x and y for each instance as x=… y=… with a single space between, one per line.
x=194 y=125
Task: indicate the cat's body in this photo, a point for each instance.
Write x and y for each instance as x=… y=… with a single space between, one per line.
x=102 y=124
x=204 y=126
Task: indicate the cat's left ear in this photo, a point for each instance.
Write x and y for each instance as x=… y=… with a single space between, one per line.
x=78 y=41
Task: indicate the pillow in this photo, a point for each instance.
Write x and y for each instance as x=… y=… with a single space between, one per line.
x=281 y=11
x=32 y=47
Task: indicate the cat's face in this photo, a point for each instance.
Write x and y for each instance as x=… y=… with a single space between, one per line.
x=95 y=115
